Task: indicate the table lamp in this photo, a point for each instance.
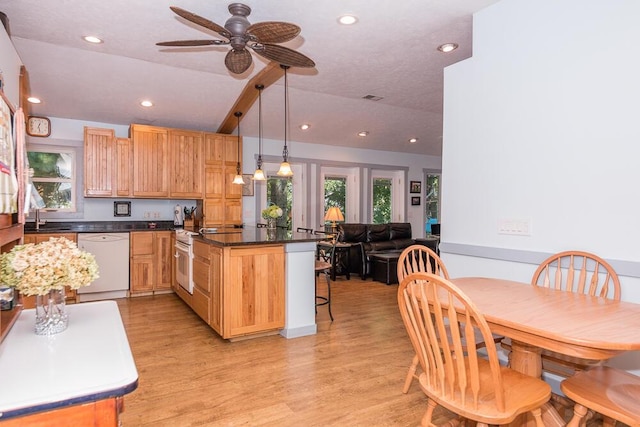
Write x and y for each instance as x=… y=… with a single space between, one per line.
x=333 y=214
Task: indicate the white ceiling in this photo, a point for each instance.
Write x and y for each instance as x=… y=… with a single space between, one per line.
x=391 y=52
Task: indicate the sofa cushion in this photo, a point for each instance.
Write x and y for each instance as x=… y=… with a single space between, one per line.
x=400 y=230
x=384 y=245
x=402 y=243
x=352 y=233
x=377 y=232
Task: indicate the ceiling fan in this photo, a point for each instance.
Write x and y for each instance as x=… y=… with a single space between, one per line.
x=240 y=34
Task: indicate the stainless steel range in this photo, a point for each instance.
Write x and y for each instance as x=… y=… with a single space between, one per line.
x=184 y=259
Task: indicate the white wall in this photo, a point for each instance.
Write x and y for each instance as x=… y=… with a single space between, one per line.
x=541 y=124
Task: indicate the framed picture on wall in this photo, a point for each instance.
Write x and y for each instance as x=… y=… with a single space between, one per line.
x=247 y=188
x=414 y=187
x=415 y=201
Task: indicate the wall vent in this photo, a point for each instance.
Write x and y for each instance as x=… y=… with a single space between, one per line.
x=372 y=97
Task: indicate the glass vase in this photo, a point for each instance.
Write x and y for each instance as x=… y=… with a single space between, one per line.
x=271 y=223
x=51 y=314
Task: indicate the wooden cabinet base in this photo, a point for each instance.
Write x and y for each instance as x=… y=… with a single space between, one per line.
x=103 y=413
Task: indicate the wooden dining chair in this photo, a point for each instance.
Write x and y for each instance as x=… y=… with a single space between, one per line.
x=470 y=386
x=580 y=272
x=608 y=391
x=414 y=259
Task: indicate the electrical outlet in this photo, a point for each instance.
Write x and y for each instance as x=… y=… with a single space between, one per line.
x=156 y=215
x=147 y=215
x=514 y=227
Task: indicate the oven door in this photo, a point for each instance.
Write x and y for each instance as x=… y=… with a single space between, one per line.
x=184 y=264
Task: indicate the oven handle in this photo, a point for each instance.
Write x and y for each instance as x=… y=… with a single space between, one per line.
x=182 y=247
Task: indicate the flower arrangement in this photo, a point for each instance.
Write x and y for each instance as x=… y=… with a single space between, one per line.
x=36 y=269
x=272 y=212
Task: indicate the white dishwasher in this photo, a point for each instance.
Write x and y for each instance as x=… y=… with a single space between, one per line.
x=112 y=255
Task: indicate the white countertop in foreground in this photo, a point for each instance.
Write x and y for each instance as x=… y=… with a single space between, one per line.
x=90 y=360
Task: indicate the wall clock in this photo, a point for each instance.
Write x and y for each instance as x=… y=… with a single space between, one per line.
x=38 y=126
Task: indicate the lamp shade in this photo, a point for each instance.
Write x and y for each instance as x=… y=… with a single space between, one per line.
x=258 y=175
x=334 y=214
x=238 y=179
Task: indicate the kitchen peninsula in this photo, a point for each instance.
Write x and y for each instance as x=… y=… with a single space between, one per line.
x=252 y=281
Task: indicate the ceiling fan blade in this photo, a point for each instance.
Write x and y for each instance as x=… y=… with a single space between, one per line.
x=283 y=55
x=237 y=61
x=273 y=32
x=192 y=43
x=204 y=22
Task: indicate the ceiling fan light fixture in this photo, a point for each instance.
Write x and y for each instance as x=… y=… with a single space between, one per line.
x=347 y=19
x=92 y=39
x=447 y=47
x=285 y=167
x=238 y=178
x=258 y=175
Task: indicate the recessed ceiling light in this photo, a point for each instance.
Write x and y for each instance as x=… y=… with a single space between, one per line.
x=347 y=19
x=447 y=47
x=413 y=140
x=34 y=100
x=363 y=133
x=146 y=103
x=305 y=126
x=92 y=39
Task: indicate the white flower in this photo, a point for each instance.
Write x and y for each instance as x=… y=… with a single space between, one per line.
x=272 y=211
x=54 y=264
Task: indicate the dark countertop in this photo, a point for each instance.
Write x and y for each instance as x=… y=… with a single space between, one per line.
x=98 y=227
x=256 y=236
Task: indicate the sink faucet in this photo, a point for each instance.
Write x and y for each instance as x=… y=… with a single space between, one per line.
x=38 y=222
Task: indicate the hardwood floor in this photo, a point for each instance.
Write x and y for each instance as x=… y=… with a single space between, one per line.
x=349 y=374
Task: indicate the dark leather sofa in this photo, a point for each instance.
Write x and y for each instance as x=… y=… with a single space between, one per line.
x=373 y=238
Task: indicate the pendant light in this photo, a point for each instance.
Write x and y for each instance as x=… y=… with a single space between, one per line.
x=285 y=167
x=238 y=178
x=258 y=175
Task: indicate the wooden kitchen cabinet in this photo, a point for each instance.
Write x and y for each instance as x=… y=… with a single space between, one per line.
x=186 y=164
x=150 y=161
x=238 y=290
x=124 y=167
x=151 y=262
x=99 y=162
x=70 y=295
x=107 y=164
x=222 y=204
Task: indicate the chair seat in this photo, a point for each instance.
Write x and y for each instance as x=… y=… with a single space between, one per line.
x=322 y=266
x=528 y=393
x=609 y=391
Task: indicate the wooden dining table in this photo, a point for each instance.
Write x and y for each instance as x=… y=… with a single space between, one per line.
x=537 y=318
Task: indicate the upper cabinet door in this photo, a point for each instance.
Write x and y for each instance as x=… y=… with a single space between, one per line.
x=99 y=162
x=186 y=178
x=150 y=161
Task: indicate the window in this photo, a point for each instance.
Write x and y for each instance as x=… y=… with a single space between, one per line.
x=382 y=201
x=54 y=177
x=432 y=200
x=335 y=194
x=280 y=193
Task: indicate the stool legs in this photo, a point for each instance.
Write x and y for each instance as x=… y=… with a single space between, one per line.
x=324 y=300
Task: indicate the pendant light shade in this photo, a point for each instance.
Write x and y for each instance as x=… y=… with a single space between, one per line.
x=258 y=175
x=285 y=167
x=238 y=178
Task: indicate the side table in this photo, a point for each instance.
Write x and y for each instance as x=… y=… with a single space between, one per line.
x=340 y=263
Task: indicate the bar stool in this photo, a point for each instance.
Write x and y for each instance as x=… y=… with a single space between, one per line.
x=324 y=268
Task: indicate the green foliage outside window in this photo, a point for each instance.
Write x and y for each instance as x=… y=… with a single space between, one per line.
x=280 y=193
x=381 y=200
x=53 y=178
x=335 y=195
